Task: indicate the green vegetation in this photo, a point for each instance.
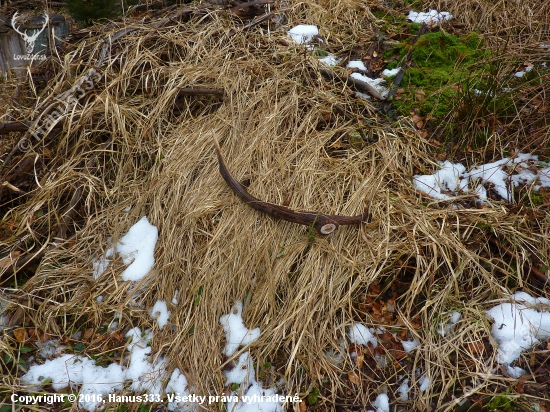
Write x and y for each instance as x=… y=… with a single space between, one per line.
x=440 y=63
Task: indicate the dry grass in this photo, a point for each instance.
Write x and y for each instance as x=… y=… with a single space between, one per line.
x=280 y=125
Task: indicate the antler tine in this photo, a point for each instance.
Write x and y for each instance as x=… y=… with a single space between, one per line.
x=13 y=19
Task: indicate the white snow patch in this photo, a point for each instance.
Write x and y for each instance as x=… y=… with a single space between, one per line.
x=382 y=403
x=136 y=249
x=453 y=178
x=247 y=398
x=403 y=390
x=356 y=64
x=447 y=328
x=376 y=83
x=431 y=17
x=331 y=60
x=303 y=33
x=390 y=72
x=409 y=345
x=160 y=313
x=518 y=326
x=424 y=383
x=360 y=335
x=236 y=333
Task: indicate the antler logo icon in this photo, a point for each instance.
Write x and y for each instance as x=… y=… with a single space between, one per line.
x=29 y=40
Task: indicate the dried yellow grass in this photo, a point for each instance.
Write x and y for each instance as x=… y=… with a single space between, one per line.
x=277 y=126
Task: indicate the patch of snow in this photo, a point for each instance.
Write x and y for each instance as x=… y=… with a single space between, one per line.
x=175 y=298
x=518 y=326
x=236 y=333
x=453 y=178
x=403 y=390
x=356 y=64
x=136 y=249
x=160 y=313
x=447 y=328
x=303 y=33
x=251 y=395
x=331 y=60
x=376 y=83
x=360 y=335
x=409 y=345
x=391 y=72
x=424 y=383
x=431 y=17
x=363 y=95
x=49 y=349
x=382 y=403
x=447 y=178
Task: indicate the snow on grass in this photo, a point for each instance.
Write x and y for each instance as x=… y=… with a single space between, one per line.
x=356 y=64
x=519 y=325
x=376 y=83
x=160 y=313
x=453 y=178
x=446 y=329
x=303 y=33
x=144 y=376
x=236 y=333
x=403 y=390
x=136 y=249
x=331 y=60
x=390 y=72
x=360 y=335
x=431 y=17
x=382 y=403
x=424 y=383
x=447 y=179
x=409 y=345
x=250 y=396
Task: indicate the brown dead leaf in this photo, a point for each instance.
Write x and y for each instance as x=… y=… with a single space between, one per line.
x=118 y=336
x=520 y=385
x=302 y=406
x=420 y=95
x=475 y=348
x=359 y=359
x=20 y=334
x=88 y=334
x=354 y=378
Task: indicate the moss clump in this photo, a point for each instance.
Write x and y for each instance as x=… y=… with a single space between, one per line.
x=440 y=63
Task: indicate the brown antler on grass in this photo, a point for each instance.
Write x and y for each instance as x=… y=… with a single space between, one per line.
x=324 y=224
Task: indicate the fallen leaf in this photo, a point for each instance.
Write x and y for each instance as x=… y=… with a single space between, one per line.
x=88 y=334
x=354 y=378
x=302 y=406
x=20 y=334
x=475 y=348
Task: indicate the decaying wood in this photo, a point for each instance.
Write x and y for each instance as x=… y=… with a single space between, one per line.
x=323 y=224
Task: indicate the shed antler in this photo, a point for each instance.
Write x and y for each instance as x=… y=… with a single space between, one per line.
x=323 y=224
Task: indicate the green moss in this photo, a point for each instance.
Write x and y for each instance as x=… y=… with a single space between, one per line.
x=440 y=63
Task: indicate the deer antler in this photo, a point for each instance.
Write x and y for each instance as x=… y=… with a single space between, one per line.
x=324 y=224
x=13 y=19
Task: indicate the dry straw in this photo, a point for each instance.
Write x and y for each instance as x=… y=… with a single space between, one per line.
x=132 y=144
